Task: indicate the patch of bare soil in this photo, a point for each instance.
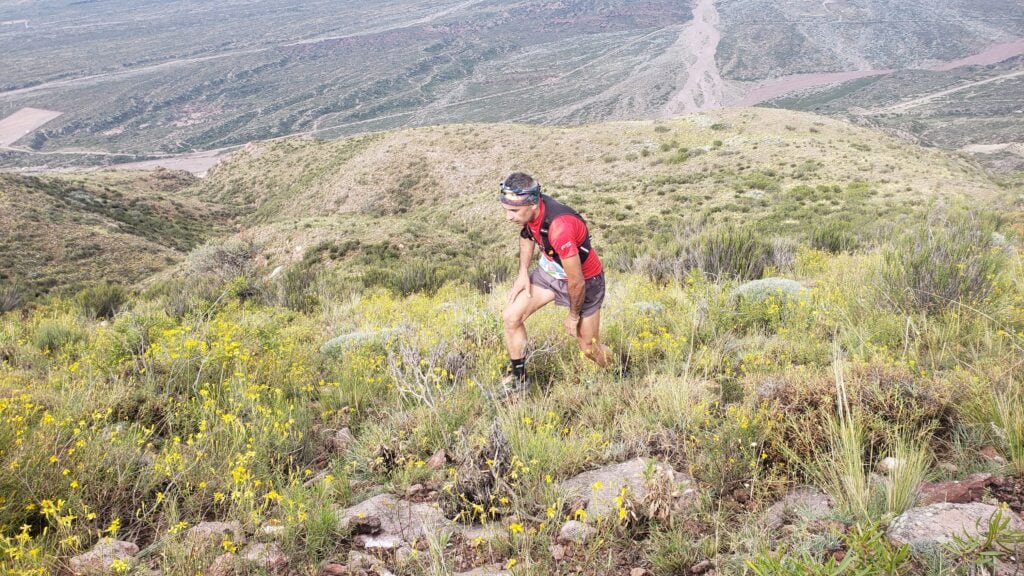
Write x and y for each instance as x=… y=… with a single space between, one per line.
x=23 y=122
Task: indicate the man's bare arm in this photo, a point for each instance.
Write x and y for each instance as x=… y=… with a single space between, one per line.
x=522 y=281
x=576 y=285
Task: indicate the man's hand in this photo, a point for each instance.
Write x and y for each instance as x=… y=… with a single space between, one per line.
x=522 y=284
x=572 y=325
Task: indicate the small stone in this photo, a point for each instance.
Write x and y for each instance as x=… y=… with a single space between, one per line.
x=437 y=461
x=992 y=455
x=887 y=465
x=223 y=565
x=341 y=440
x=269 y=557
x=334 y=569
x=414 y=490
x=557 y=552
x=99 y=560
x=638 y=572
x=369 y=524
x=404 y=555
x=969 y=490
x=271 y=531
x=701 y=567
x=575 y=532
x=838 y=555
x=213 y=534
x=381 y=542
x=806 y=503
x=363 y=561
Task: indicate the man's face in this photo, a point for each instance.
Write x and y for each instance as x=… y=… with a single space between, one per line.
x=520 y=215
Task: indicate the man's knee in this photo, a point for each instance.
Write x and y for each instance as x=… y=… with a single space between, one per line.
x=513 y=317
x=589 y=346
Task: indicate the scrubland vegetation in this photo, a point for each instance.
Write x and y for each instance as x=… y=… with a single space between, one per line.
x=215 y=397
x=787 y=308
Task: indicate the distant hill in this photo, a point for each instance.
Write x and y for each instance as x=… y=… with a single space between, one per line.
x=65 y=232
x=214 y=77
x=430 y=193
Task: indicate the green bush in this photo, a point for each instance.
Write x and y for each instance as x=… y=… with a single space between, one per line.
x=10 y=298
x=54 y=336
x=407 y=279
x=834 y=237
x=297 y=288
x=102 y=301
x=943 y=264
x=731 y=253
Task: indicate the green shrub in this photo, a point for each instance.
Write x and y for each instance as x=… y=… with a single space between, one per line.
x=943 y=264
x=406 y=279
x=54 y=336
x=674 y=551
x=1008 y=420
x=10 y=297
x=731 y=253
x=102 y=301
x=297 y=288
x=834 y=237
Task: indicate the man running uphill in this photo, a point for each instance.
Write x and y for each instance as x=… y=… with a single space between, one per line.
x=569 y=273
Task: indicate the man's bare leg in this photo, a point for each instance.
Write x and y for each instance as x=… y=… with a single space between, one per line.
x=590 y=340
x=515 y=315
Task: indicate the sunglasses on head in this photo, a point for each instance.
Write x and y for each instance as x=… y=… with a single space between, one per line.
x=517 y=191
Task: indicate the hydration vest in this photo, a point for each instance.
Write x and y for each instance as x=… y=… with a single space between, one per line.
x=553 y=209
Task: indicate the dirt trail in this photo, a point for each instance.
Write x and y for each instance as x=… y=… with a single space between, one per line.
x=904 y=106
x=703 y=89
x=102 y=77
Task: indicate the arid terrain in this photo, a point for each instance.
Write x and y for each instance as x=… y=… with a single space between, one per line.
x=149 y=83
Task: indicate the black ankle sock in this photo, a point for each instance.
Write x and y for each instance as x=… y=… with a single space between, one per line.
x=518 y=367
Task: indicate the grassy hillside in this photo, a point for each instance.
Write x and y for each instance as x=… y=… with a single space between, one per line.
x=429 y=193
x=890 y=282
x=65 y=232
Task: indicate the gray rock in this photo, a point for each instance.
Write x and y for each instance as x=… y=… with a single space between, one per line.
x=212 y=534
x=406 y=520
x=223 y=565
x=760 y=290
x=362 y=561
x=99 y=560
x=345 y=342
x=269 y=557
x=936 y=525
x=887 y=465
x=485 y=533
x=805 y=503
x=271 y=531
x=575 y=532
x=341 y=440
x=599 y=488
x=382 y=542
x=404 y=555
